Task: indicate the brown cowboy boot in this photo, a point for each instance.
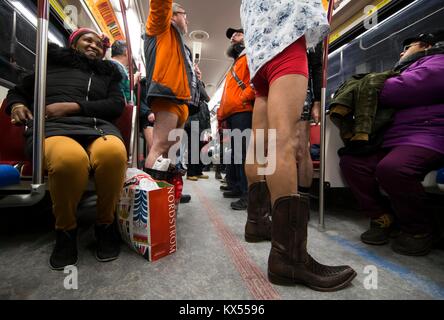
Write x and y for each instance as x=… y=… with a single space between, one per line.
x=258 y=226
x=306 y=197
x=289 y=263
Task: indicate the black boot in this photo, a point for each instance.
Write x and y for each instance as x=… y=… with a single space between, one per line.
x=65 y=250
x=240 y=204
x=289 y=262
x=258 y=226
x=380 y=230
x=217 y=175
x=108 y=242
x=185 y=198
x=413 y=244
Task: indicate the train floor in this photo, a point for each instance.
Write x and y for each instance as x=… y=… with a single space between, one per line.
x=212 y=260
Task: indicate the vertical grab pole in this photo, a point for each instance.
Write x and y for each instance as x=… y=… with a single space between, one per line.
x=132 y=160
x=40 y=92
x=323 y=122
x=138 y=106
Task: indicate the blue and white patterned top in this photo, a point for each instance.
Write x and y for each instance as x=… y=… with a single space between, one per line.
x=270 y=26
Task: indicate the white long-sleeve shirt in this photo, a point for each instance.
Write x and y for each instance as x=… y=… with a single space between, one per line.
x=270 y=26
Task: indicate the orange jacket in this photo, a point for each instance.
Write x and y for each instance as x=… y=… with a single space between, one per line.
x=234 y=99
x=169 y=75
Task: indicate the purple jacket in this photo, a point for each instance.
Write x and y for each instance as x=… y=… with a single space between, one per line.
x=418 y=95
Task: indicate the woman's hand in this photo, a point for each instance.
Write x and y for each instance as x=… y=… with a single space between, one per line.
x=61 y=109
x=20 y=114
x=151 y=117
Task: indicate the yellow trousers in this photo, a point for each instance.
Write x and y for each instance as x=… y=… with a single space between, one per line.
x=69 y=167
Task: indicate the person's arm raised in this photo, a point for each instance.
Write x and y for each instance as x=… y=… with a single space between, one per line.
x=159 y=17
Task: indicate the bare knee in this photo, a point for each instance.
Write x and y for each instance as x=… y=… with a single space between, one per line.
x=287 y=146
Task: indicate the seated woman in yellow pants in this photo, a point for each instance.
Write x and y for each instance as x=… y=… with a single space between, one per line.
x=82 y=100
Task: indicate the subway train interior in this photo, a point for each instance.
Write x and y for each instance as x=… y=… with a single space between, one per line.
x=187 y=237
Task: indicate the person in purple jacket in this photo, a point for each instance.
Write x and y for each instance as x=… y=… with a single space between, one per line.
x=413 y=146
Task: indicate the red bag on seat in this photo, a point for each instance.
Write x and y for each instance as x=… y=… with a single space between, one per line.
x=12 y=143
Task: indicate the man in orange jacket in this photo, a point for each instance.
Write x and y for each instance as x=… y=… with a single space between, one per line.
x=171 y=80
x=171 y=86
x=236 y=109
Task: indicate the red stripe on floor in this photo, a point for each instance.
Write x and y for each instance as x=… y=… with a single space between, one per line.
x=253 y=277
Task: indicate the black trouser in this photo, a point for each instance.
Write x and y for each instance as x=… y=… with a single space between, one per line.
x=193 y=169
x=236 y=177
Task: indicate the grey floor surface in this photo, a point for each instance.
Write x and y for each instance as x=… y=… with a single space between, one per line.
x=212 y=261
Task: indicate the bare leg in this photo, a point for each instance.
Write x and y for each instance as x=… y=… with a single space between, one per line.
x=259 y=122
x=148 y=134
x=303 y=158
x=289 y=261
x=165 y=122
x=285 y=102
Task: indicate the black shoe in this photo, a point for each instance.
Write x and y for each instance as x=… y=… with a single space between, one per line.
x=379 y=232
x=65 y=250
x=413 y=244
x=232 y=194
x=240 y=204
x=225 y=188
x=108 y=242
x=185 y=198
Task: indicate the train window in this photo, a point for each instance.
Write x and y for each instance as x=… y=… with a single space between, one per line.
x=335 y=74
x=334 y=66
x=387 y=37
x=378 y=49
x=6 y=17
x=18 y=22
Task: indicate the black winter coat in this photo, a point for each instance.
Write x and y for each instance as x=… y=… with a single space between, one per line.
x=203 y=115
x=71 y=77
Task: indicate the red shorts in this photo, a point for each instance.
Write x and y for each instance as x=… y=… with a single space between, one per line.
x=293 y=60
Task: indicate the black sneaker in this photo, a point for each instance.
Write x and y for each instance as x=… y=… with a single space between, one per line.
x=240 y=204
x=232 y=194
x=224 y=187
x=108 y=242
x=65 y=250
x=379 y=232
x=185 y=198
x=413 y=244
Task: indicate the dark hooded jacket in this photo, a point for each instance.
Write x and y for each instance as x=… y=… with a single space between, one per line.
x=71 y=77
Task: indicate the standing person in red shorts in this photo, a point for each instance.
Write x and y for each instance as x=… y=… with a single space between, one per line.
x=277 y=34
